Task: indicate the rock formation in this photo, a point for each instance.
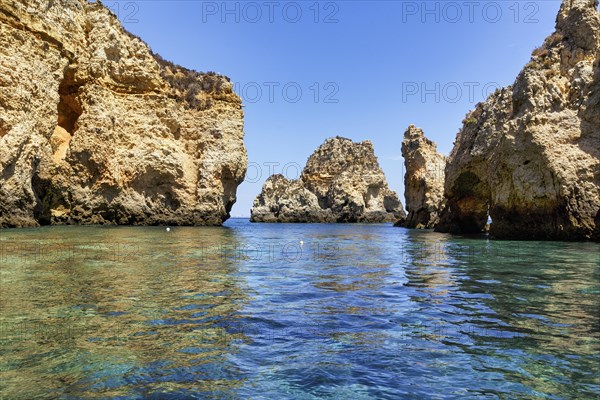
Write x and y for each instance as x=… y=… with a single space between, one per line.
x=341 y=182
x=95 y=128
x=530 y=154
x=283 y=200
x=423 y=179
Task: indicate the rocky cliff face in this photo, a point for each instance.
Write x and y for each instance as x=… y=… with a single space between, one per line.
x=342 y=182
x=94 y=128
x=530 y=155
x=423 y=179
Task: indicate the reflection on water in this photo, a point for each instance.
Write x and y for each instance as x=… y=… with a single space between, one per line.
x=295 y=311
x=110 y=310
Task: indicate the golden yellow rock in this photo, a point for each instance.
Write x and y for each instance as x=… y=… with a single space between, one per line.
x=95 y=128
x=529 y=156
x=341 y=182
x=59 y=141
x=423 y=180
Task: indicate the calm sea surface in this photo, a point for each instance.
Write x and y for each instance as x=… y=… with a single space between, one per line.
x=265 y=311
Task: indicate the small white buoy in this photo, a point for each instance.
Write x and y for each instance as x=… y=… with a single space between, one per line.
x=168 y=229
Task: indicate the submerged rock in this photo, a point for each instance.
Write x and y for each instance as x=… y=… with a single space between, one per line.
x=423 y=180
x=529 y=156
x=95 y=128
x=342 y=182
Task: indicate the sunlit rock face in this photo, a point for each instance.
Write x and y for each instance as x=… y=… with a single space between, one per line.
x=95 y=128
x=530 y=154
x=423 y=180
x=342 y=182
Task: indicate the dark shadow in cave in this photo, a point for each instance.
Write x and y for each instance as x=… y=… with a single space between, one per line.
x=69 y=107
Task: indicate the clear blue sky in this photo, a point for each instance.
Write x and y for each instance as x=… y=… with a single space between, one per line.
x=378 y=66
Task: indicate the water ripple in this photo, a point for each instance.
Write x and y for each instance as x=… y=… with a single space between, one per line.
x=248 y=311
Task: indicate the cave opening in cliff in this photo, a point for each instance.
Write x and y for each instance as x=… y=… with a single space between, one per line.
x=41 y=187
x=3 y=128
x=68 y=112
x=69 y=107
x=472 y=203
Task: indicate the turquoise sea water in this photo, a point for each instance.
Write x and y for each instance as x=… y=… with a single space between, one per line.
x=283 y=311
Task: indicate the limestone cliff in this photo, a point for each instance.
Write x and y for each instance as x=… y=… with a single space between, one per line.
x=423 y=179
x=530 y=155
x=341 y=182
x=95 y=128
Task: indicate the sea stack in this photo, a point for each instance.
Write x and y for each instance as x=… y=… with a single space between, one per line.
x=341 y=182
x=96 y=129
x=529 y=156
x=423 y=180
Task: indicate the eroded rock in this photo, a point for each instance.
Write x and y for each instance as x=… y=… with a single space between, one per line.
x=529 y=156
x=341 y=182
x=423 y=180
x=94 y=128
